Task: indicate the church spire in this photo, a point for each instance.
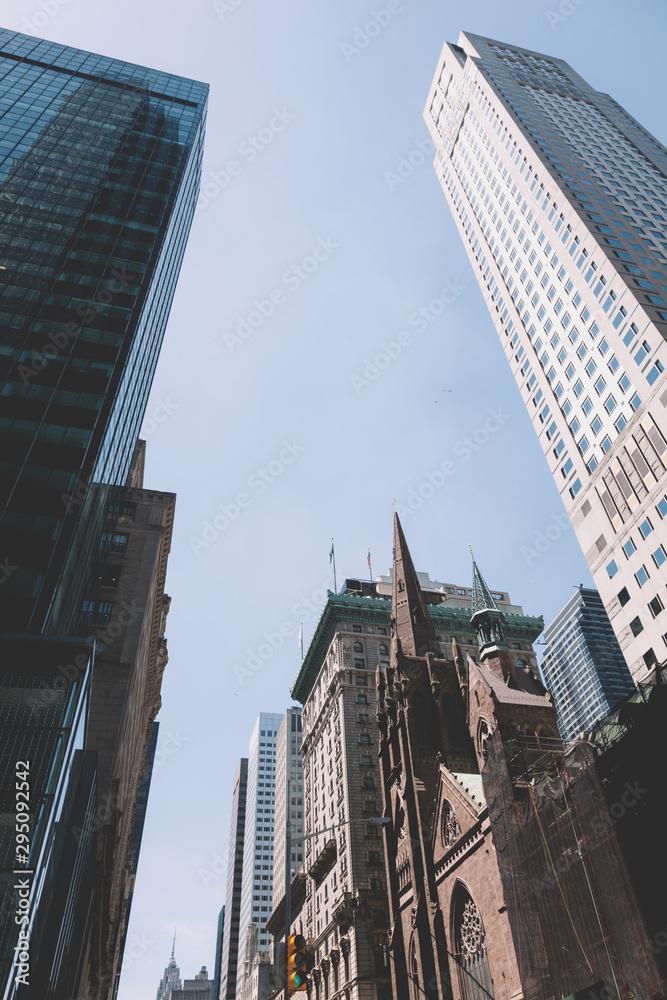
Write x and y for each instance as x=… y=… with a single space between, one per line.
x=487 y=618
x=412 y=623
x=481 y=595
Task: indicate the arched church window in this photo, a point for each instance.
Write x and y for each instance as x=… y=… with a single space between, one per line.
x=450 y=830
x=470 y=948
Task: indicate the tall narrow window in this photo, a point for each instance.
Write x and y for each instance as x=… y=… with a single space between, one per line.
x=470 y=947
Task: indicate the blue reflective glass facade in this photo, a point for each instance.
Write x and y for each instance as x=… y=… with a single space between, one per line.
x=100 y=163
x=44 y=699
x=583 y=665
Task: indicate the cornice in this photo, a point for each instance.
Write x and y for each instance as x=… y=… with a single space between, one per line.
x=377 y=611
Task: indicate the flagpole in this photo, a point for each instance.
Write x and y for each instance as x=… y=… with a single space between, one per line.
x=333 y=555
x=370 y=571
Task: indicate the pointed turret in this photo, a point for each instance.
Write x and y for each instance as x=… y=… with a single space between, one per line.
x=487 y=617
x=412 y=623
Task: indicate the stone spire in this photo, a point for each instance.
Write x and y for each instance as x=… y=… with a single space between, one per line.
x=487 y=618
x=412 y=625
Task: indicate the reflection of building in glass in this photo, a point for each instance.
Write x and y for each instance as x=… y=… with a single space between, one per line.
x=99 y=167
x=560 y=198
x=583 y=665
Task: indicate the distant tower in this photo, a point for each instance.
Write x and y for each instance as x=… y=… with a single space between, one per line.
x=583 y=665
x=171 y=979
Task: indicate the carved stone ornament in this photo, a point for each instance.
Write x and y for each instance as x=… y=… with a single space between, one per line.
x=472 y=933
x=450 y=828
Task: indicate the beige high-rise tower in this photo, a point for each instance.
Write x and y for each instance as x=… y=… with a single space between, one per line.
x=560 y=198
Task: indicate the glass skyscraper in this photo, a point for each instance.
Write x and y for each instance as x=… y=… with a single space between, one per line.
x=100 y=163
x=560 y=198
x=583 y=665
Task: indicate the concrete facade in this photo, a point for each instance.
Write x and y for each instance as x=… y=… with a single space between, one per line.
x=559 y=198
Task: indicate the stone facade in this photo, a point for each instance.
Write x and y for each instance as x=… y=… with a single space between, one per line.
x=128 y=623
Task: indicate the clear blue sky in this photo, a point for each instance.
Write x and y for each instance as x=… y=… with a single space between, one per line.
x=332 y=123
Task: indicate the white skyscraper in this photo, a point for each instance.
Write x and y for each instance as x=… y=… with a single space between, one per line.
x=560 y=198
x=257 y=881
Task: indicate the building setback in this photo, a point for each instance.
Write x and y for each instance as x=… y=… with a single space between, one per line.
x=583 y=665
x=229 y=960
x=559 y=197
x=345 y=911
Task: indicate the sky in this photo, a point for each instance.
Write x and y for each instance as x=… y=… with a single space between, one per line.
x=321 y=230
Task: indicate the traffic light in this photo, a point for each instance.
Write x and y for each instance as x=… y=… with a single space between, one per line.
x=296 y=964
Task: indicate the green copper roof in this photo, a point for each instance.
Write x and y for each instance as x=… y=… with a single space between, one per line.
x=481 y=595
x=377 y=611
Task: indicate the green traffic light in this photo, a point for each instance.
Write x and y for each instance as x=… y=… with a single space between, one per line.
x=298 y=979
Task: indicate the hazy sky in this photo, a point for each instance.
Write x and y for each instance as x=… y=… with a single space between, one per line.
x=316 y=124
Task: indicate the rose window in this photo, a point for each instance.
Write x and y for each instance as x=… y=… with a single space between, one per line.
x=472 y=935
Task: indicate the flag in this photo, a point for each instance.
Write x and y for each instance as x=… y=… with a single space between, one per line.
x=331 y=554
x=301 y=640
x=369 y=558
